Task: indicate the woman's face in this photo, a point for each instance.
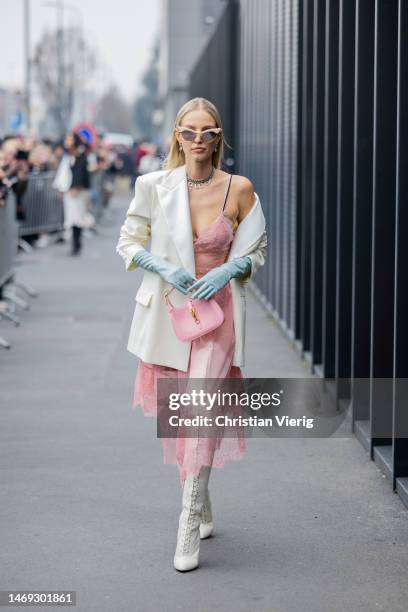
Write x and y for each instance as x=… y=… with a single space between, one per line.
x=69 y=140
x=197 y=149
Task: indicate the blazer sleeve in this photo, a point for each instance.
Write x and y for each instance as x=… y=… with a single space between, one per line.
x=257 y=255
x=136 y=231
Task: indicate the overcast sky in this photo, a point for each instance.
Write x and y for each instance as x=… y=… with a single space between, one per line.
x=123 y=31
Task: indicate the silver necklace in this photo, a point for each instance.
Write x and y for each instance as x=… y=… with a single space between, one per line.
x=199 y=183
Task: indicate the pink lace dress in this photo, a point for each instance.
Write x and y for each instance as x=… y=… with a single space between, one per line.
x=210 y=357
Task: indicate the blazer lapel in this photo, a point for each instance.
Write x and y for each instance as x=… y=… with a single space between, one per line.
x=174 y=199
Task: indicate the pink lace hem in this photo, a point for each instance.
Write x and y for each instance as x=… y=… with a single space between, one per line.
x=189 y=454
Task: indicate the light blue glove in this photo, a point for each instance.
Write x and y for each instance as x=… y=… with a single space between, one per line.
x=217 y=278
x=175 y=275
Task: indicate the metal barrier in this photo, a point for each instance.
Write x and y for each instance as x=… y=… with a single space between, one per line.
x=43 y=206
x=8 y=238
x=8 y=250
x=101 y=191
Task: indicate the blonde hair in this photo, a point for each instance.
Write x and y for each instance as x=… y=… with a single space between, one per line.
x=176 y=157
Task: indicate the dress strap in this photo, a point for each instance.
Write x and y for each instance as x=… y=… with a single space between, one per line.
x=229 y=184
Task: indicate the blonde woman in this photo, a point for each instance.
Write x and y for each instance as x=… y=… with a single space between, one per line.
x=208 y=238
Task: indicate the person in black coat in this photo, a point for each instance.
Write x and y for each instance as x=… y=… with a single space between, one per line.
x=76 y=199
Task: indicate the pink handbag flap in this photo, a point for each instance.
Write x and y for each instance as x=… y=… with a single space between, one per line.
x=194 y=319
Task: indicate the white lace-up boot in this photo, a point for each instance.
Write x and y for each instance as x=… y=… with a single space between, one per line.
x=188 y=536
x=207 y=524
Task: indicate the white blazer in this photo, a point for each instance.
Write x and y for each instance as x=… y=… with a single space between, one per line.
x=160 y=212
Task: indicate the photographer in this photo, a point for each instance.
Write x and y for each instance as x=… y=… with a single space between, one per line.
x=14 y=172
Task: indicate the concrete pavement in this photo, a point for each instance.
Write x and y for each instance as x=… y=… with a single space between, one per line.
x=87 y=505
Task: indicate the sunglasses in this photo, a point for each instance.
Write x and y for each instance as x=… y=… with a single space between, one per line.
x=207 y=135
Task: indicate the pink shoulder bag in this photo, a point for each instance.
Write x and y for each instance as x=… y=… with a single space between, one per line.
x=194 y=319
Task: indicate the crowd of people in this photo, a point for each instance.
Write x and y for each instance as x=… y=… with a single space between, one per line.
x=84 y=175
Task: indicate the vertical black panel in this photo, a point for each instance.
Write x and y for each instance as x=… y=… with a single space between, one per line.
x=293 y=152
x=345 y=196
x=246 y=89
x=298 y=145
x=263 y=115
x=285 y=161
x=279 y=158
x=274 y=231
x=307 y=92
x=400 y=429
x=269 y=100
x=330 y=188
x=384 y=194
x=317 y=181
x=362 y=218
x=252 y=98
